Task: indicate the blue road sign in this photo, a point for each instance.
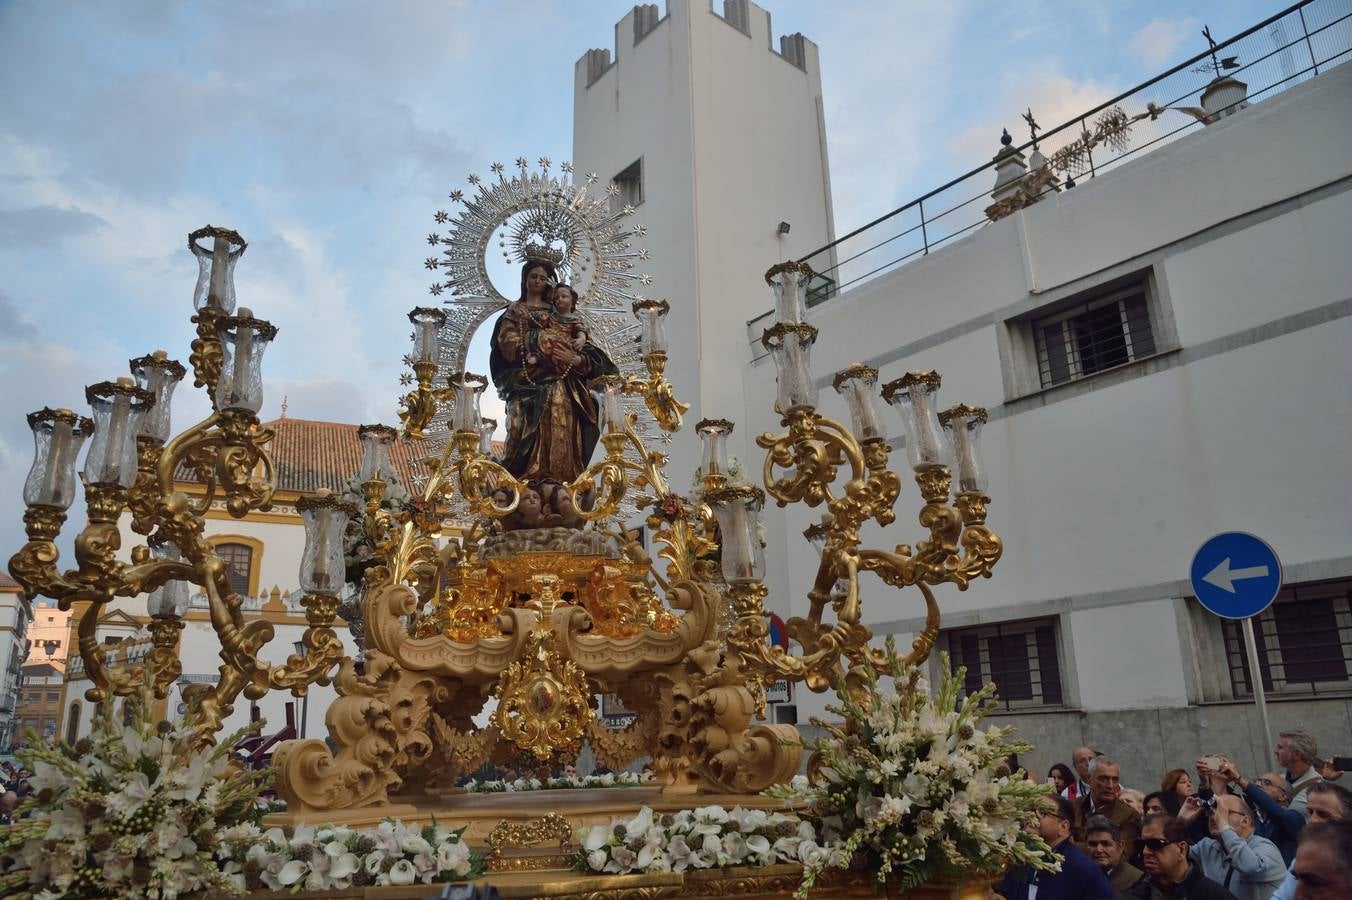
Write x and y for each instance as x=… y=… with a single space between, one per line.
x=1236 y=575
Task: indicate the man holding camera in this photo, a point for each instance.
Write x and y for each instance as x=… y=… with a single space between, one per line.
x=1247 y=865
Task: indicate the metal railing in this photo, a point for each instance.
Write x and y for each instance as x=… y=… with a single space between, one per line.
x=1286 y=49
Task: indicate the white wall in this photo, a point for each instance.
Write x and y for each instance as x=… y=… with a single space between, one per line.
x=1104 y=490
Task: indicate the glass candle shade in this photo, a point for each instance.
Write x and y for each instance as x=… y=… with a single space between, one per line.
x=856 y=385
x=58 y=435
x=468 y=389
x=486 y=429
x=738 y=511
x=427 y=322
x=244 y=340
x=217 y=250
x=789 y=282
x=321 y=564
x=608 y=390
x=159 y=375
x=376 y=441
x=816 y=536
x=169 y=600
x=714 y=433
x=915 y=394
x=791 y=346
x=963 y=425
x=118 y=409
x=651 y=315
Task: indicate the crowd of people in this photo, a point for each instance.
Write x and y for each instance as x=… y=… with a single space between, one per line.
x=14 y=787
x=1213 y=835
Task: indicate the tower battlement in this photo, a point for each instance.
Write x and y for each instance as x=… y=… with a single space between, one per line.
x=742 y=15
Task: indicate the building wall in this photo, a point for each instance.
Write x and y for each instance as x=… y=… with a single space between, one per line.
x=1103 y=489
x=39 y=701
x=15 y=615
x=50 y=623
x=731 y=138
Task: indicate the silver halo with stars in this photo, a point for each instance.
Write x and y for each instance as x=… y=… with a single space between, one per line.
x=537 y=207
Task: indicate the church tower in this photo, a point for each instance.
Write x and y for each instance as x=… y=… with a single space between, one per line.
x=716 y=136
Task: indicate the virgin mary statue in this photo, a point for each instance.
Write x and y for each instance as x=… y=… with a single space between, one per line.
x=551 y=416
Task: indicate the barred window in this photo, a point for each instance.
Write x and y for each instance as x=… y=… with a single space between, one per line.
x=237 y=558
x=1020 y=657
x=1100 y=334
x=1304 y=642
x=630 y=183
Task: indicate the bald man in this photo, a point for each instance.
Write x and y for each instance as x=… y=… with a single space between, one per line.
x=1248 y=866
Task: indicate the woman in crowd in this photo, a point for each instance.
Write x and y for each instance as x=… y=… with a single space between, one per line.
x=1060 y=776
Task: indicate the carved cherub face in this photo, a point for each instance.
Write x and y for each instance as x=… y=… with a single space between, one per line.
x=529 y=507
x=563 y=503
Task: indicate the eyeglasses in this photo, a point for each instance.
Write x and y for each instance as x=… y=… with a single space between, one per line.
x=1265 y=782
x=1156 y=843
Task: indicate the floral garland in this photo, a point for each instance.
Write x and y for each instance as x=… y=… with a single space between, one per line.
x=333 y=857
x=132 y=810
x=706 y=838
x=912 y=790
x=608 y=780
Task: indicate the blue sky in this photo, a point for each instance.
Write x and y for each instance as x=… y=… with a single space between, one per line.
x=327 y=134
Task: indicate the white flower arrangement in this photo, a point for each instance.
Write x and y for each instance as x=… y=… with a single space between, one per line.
x=912 y=790
x=564 y=782
x=333 y=857
x=132 y=811
x=706 y=838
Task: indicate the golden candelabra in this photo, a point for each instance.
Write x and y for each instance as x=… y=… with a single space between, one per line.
x=131 y=466
x=542 y=619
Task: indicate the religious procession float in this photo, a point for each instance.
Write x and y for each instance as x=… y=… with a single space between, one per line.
x=508 y=583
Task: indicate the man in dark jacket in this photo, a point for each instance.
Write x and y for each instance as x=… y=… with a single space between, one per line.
x=1168 y=873
x=1079 y=878
x=1103 y=843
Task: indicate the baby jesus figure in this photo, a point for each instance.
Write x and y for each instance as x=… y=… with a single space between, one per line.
x=566 y=335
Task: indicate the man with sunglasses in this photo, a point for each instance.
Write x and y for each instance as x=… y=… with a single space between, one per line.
x=1247 y=865
x=1269 y=797
x=1169 y=874
x=1079 y=878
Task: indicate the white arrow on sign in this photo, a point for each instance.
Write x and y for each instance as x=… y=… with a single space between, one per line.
x=1225 y=577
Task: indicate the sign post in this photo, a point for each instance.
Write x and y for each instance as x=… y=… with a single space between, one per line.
x=1236 y=576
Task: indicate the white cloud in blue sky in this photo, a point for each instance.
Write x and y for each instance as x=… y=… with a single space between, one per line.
x=328 y=132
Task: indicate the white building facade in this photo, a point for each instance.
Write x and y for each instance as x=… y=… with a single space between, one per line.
x=669 y=119
x=1221 y=261
x=16 y=613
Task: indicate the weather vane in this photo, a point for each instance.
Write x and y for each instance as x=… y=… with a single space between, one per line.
x=1217 y=65
x=1032 y=125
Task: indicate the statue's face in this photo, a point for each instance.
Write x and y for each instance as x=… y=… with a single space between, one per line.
x=565 y=301
x=537 y=281
x=563 y=504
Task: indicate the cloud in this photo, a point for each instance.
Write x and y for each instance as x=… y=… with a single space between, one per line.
x=1054 y=99
x=13 y=326
x=1156 y=44
x=44 y=225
